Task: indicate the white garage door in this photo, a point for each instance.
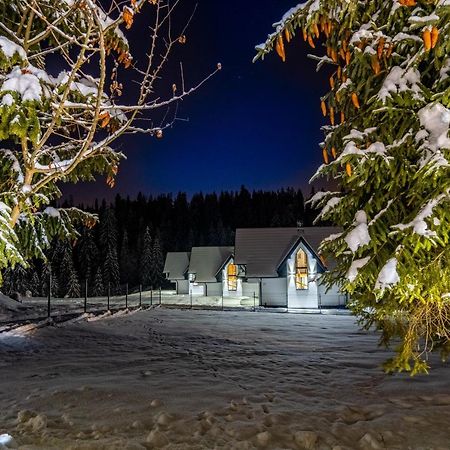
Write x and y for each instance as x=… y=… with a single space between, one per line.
x=274 y=292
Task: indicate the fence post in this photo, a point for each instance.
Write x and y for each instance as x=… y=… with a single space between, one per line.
x=254 y=301
x=222 y=300
x=160 y=296
x=190 y=298
x=49 y=293
x=85 y=294
x=109 y=292
x=151 y=296
x=126 y=296
x=140 y=295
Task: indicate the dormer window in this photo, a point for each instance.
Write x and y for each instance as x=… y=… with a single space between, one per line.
x=301 y=270
x=232 y=272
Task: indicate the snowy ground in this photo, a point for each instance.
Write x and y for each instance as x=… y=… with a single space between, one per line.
x=204 y=379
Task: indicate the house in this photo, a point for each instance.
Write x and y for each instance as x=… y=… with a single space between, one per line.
x=282 y=266
x=209 y=271
x=176 y=270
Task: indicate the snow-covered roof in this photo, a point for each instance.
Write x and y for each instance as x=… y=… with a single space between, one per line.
x=206 y=262
x=176 y=265
x=262 y=250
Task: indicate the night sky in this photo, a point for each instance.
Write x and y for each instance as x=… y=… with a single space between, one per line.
x=256 y=125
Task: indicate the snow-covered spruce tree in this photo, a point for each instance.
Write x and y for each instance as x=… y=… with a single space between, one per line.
x=73 y=285
x=388 y=149
x=62 y=65
x=34 y=283
x=68 y=277
x=126 y=263
x=87 y=254
x=15 y=280
x=98 y=289
x=108 y=242
x=157 y=263
x=48 y=276
x=146 y=263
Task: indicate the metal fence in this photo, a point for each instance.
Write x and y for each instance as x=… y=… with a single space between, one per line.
x=122 y=297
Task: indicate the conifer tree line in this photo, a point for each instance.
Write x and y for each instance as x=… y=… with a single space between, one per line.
x=132 y=237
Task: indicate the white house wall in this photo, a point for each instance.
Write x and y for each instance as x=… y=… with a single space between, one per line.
x=213 y=289
x=302 y=298
x=332 y=297
x=250 y=288
x=197 y=289
x=182 y=286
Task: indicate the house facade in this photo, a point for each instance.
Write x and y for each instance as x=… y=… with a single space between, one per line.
x=284 y=267
x=208 y=270
x=176 y=270
x=278 y=267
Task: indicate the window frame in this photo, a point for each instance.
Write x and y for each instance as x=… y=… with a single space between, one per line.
x=232 y=278
x=301 y=271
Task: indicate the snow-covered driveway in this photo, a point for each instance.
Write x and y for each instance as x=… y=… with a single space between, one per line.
x=200 y=379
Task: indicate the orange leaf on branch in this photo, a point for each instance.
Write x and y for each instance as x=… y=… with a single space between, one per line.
x=376 y=64
x=110 y=181
x=334 y=55
x=316 y=30
x=355 y=100
x=348 y=57
x=348 y=169
x=324 y=108
x=279 y=47
x=332 y=84
x=127 y=16
x=288 y=35
x=434 y=37
x=427 y=39
x=380 y=48
x=332 y=120
x=105 y=118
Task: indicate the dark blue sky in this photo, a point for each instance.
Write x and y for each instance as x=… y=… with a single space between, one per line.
x=256 y=125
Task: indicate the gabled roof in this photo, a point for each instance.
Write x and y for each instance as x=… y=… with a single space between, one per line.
x=206 y=262
x=263 y=250
x=176 y=266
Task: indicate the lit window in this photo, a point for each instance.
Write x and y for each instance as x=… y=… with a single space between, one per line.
x=301 y=270
x=232 y=277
